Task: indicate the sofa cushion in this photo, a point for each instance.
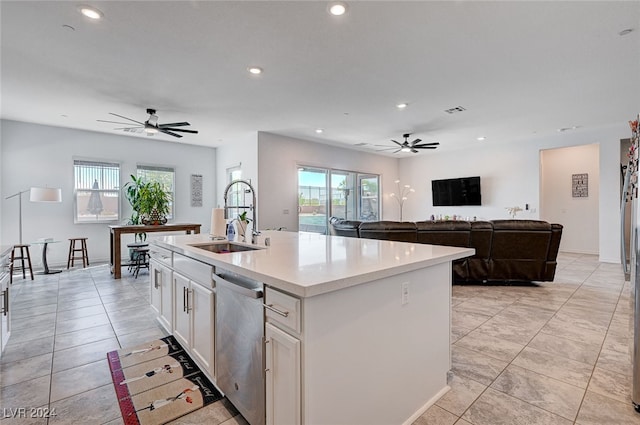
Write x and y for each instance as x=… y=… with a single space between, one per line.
x=519 y=249
x=389 y=230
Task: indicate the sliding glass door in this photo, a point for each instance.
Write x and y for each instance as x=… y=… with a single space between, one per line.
x=312 y=199
x=325 y=193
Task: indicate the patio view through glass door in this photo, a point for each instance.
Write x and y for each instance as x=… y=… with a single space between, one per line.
x=325 y=193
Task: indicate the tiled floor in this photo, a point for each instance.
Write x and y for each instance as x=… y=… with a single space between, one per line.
x=554 y=353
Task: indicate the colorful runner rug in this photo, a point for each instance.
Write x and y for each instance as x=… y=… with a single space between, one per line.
x=158 y=382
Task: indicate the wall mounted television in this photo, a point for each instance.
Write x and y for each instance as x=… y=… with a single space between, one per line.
x=455 y=192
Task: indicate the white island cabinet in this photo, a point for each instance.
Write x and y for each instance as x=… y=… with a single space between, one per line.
x=356 y=331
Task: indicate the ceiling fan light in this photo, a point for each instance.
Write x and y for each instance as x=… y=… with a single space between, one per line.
x=91 y=12
x=405 y=149
x=150 y=130
x=337 y=8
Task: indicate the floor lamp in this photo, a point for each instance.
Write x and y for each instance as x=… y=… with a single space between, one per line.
x=36 y=194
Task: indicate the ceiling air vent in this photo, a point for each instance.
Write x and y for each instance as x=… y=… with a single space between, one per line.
x=454 y=110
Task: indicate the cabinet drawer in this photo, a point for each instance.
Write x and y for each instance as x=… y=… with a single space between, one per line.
x=283 y=309
x=193 y=269
x=161 y=255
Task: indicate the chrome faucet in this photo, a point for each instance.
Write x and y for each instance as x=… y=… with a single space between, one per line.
x=244 y=187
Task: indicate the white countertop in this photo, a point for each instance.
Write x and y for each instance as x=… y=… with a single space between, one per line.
x=308 y=264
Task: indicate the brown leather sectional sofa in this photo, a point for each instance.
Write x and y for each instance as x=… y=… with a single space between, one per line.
x=506 y=250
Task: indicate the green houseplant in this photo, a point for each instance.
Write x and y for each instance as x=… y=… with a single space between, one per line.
x=132 y=193
x=153 y=203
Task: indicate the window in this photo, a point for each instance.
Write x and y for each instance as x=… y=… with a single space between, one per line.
x=234 y=173
x=162 y=175
x=96 y=191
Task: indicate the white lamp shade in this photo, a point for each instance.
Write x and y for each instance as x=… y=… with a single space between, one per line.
x=45 y=194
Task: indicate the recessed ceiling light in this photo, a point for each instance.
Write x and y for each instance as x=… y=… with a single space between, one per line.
x=319 y=130
x=402 y=105
x=625 y=32
x=337 y=8
x=255 y=70
x=91 y=12
x=481 y=138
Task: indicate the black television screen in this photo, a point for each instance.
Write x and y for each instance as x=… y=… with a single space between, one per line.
x=454 y=192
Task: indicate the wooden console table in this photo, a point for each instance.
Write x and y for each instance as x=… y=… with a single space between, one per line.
x=117 y=231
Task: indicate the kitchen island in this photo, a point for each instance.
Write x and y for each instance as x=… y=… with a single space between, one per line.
x=357 y=330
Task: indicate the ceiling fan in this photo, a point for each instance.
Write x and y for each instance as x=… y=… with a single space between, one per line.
x=413 y=146
x=151 y=126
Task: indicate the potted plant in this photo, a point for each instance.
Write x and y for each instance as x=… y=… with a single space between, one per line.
x=132 y=193
x=153 y=203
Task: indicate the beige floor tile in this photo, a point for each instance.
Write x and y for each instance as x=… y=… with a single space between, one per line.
x=556 y=367
x=611 y=384
x=463 y=393
x=580 y=351
x=25 y=369
x=99 y=406
x=541 y=391
x=476 y=366
x=26 y=394
x=497 y=408
x=598 y=410
x=489 y=345
x=436 y=416
x=79 y=379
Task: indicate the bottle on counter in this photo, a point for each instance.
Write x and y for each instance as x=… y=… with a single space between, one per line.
x=231 y=231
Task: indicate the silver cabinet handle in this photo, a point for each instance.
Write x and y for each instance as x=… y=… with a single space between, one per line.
x=189 y=306
x=156 y=272
x=184 y=299
x=275 y=310
x=5 y=302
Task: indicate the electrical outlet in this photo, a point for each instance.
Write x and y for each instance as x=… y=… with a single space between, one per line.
x=285 y=211
x=405 y=293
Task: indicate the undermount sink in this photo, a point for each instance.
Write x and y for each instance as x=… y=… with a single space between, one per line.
x=225 y=247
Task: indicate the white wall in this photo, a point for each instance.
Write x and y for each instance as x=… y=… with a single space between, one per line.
x=36 y=155
x=278 y=158
x=557 y=204
x=510 y=174
x=243 y=152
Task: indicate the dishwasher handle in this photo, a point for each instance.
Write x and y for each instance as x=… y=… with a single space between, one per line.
x=241 y=289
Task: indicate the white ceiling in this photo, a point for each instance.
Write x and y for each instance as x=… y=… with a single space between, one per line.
x=519 y=68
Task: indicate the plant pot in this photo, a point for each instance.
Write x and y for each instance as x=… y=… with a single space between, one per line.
x=154 y=218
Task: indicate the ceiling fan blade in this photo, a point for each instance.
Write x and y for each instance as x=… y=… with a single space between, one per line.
x=171 y=133
x=178 y=129
x=425 y=147
x=115 y=122
x=416 y=141
x=427 y=144
x=397 y=143
x=120 y=116
x=396 y=151
x=173 y=124
x=413 y=150
x=129 y=128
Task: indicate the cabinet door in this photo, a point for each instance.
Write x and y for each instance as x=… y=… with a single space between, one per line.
x=156 y=285
x=282 y=376
x=166 y=312
x=202 y=326
x=181 y=324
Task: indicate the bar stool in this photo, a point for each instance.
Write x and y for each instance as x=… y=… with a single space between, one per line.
x=142 y=260
x=132 y=253
x=83 y=251
x=22 y=257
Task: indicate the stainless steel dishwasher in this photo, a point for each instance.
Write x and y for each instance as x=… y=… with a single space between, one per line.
x=239 y=343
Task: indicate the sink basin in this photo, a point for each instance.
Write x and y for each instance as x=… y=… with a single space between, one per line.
x=225 y=247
